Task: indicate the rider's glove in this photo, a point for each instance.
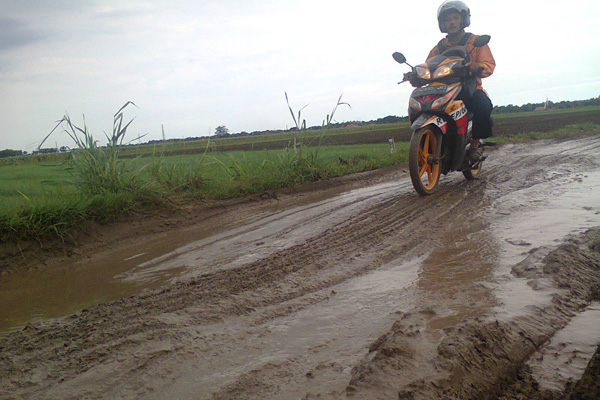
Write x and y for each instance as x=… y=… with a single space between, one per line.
x=475 y=69
x=412 y=78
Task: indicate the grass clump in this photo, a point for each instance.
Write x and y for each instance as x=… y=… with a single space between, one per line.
x=188 y=177
x=98 y=170
x=56 y=217
x=105 y=187
x=177 y=177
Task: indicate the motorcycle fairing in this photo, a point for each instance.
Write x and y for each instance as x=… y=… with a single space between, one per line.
x=458 y=115
x=458 y=112
x=427 y=119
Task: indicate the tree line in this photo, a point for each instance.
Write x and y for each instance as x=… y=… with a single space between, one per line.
x=222 y=131
x=547 y=105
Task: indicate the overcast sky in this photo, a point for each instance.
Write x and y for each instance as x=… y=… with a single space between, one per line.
x=194 y=65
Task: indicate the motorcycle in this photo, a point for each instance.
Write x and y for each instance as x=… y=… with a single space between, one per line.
x=440 y=122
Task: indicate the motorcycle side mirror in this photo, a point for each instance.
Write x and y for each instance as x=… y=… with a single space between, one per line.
x=481 y=41
x=399 y=57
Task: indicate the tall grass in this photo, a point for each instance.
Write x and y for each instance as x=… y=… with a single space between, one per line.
x=298 y=162
x=302 y=158
x=98 y=169
x=106 y=187
x=179 y=178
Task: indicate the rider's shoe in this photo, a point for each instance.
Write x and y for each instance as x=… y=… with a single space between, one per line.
x=475 y=154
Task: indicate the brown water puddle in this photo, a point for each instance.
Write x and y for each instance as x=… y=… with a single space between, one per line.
x=49 y=292
x=452 y=276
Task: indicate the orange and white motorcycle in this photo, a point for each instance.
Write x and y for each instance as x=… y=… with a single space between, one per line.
x=441 y=124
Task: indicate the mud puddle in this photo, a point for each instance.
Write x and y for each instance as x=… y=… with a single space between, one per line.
x=30 y=295
x=39 y=293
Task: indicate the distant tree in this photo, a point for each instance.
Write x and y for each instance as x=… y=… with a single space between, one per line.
x=47 y=150
x=10 y=153
x=388 y=120
x=221 y=131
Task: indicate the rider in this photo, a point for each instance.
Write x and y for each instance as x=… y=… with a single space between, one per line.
x=453 y=17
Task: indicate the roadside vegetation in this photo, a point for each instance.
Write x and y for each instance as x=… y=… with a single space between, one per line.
x=48 y=196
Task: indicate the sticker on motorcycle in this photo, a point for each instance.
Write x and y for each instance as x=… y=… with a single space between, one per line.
x=458 y=114
x=427 y=119
x=438 y=121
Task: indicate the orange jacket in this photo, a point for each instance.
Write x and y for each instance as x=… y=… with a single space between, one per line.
x=481 y=55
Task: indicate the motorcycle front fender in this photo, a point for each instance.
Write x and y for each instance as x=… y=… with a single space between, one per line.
x=429 y=119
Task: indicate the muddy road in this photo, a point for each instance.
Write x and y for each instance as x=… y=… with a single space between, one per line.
x=357 y=289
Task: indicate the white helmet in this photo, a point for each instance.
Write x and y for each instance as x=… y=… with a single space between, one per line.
x=452 y=5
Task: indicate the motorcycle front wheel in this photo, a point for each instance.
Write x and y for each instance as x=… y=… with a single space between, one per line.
x=471 y=174
x=423 y=165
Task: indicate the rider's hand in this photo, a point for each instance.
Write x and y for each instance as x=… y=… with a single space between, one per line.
x=475 y=68
x=412 y=78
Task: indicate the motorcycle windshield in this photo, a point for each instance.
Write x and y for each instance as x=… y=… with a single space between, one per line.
x=453 y=52
x=456 y=51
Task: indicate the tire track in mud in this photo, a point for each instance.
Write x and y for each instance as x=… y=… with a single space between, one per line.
x=146 y=338
x=482 y=356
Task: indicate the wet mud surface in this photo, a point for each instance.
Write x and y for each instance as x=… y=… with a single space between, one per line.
x=355 y=289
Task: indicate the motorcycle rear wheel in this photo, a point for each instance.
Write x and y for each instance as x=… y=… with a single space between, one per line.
x=422 y=165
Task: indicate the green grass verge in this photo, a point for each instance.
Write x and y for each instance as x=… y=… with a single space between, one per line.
x=45 y=200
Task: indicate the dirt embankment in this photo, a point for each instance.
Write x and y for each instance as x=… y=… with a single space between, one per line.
x=370 y=293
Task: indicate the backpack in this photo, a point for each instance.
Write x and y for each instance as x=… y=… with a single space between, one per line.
x=462 y=42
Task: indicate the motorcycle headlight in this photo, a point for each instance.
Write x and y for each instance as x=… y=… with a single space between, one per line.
x=413 y=103
x=451 y=95
x=423 y=72
x=444 y=70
